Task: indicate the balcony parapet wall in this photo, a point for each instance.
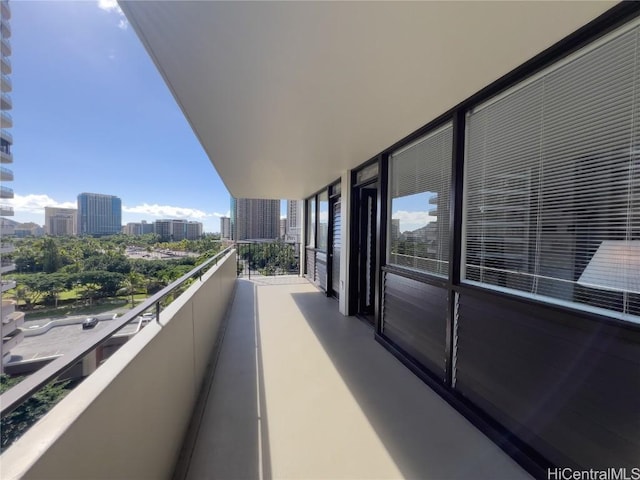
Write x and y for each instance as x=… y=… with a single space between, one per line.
x=128 y=419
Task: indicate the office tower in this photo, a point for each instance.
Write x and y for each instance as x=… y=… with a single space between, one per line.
x=11 y=320
x=225 y=228
x=60 y=221
x=193 y=230
x=132 y=228
x=294 y=221
x=99 y=214
x=253 y=219
x=138 y=228
x=175 y=230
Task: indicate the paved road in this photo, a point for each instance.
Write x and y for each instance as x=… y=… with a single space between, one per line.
x=58 y=340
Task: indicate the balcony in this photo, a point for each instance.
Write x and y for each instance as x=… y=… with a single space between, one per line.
x=5 y=65
x=5 y=84
x=11 y=340
x=6 y=121
x=7 y=285
x=6 y=248
x=5 y=101
x=7 y=267
x=6 y=211
x=6 y=229
x=5 y=47
x=11 y=321
x=5 y=28
x=296 y=391
x=6 y=175
x=6 y=157
x=6 y=192
x=5 y=10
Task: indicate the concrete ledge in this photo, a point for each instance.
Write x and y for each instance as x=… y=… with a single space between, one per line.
x=128 y=419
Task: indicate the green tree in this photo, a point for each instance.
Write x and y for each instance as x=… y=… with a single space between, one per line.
x=18 y=421
x=51 y=260
x=131 y=284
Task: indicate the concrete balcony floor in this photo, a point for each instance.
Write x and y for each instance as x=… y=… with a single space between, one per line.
x=302 y=392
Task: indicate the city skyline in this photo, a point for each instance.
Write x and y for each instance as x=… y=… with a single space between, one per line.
x=91 y=113
x=102 y=90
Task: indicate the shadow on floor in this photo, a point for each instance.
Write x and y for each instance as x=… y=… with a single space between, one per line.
x=232 y=440
x=423 y=434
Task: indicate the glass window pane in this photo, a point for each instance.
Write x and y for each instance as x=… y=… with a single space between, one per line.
x=419 y=183
x=311 y=222
x=323 y=220
x=552 y=184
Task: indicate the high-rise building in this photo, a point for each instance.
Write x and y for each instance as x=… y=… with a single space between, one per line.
x=99 y=214
x=11 y=320
x=193 y=230
x=294 y=221
x=60 y=221
x=177 y=229
x=138 y=228
x=283 y=228
x=225 y=228
x=255 y=219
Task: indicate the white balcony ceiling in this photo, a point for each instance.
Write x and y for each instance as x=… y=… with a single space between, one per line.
x=286 y=96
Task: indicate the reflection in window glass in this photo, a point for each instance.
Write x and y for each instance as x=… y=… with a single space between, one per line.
x=419 y=178
x=311 y=222
x=552 y=185
x=323 y=220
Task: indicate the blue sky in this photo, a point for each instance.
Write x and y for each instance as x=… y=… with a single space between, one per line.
x=92 y=114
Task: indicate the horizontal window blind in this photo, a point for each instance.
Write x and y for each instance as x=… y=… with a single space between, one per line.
x=311 y=222
x=323 y=220
x=552 y=183
x=419 y=184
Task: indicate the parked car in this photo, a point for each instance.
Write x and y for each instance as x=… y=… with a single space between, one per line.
x=89 y=323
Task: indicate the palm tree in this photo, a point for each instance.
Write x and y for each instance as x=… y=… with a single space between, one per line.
x=132 y=283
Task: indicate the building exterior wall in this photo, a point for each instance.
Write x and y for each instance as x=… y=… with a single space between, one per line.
x=10 y=333
x=294 y=221
x=536 y=366
x=255 y=219
x=176 y=230
x=99 y=214
x=60 y=221
x=225 y=228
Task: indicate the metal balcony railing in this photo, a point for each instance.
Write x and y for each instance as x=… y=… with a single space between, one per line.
x=5 y=101
x=6 y=121
x=5 y=47
x=6 y=192
x=14 y=397
x=6 y=174
x=7 y=84
x=6 y=211
x=5 y=28
x=268 y=258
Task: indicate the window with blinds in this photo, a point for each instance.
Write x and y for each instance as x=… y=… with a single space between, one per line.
x=311 y=222
x=419 y=184
x=552 y=183
x=323 y=220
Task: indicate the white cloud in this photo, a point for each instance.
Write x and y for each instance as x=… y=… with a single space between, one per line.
x=167 y=211
x=216 y=214
x=35 y=203
x=410 y=221
x=112 y=6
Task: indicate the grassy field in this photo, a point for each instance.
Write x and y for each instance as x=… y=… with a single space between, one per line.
x=101 y=306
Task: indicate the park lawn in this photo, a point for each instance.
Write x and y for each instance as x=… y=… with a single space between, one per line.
x=67 y=310
x=69 y=294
